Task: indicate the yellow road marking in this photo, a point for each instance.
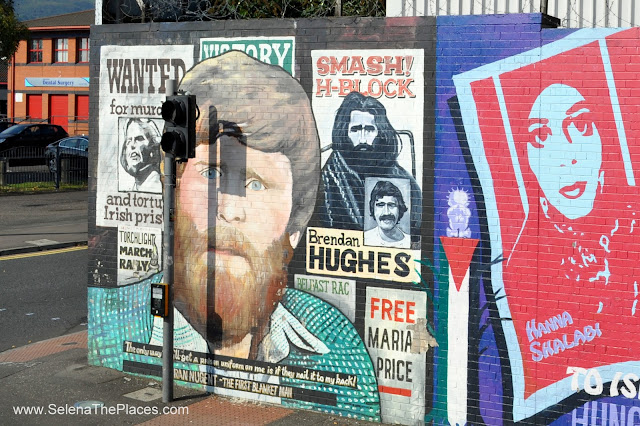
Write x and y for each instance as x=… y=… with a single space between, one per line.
x=43 y=253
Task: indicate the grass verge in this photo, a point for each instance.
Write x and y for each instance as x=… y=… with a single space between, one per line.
x=39 y=187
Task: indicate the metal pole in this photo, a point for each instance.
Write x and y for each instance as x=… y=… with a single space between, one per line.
x=544 y=6
x=167 y=247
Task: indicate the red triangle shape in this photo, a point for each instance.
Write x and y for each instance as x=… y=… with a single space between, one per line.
x=459 y=252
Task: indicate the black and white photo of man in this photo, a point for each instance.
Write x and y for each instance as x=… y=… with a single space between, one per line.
x=387 y=207
x=140 y=155
x=365 y=145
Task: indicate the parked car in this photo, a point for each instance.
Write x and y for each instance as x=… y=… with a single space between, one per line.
x=75 y=148
x=30 y=135
x=4 y=125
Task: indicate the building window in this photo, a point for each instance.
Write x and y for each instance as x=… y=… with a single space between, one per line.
x=61 y=53
x=83 y=49
x=35 y=50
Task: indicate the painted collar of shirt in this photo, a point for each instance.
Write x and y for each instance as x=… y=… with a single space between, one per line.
x=374 y=237
x=285 y=331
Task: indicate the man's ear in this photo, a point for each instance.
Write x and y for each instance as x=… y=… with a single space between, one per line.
x=294 y=239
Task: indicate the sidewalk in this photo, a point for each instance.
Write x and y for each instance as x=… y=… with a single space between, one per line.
x=53 y=376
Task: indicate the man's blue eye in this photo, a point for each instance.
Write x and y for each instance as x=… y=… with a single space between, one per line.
x=210 y=173
x=256 y=185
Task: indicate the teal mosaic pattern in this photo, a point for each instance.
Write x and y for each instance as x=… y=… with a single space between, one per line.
x=119 y=314
x=116 y=315
x=347 y=355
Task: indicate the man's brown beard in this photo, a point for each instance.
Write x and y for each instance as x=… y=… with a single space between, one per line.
x=220 y=302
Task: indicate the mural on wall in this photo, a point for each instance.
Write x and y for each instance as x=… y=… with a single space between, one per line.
x=129 y=194
x=278 y=51
x=139 y=250
x=367 y=222
x=140 y=154
x=303 y=275
x=366 y=96
x=245 y=327
x=132 y=92
x=552 y=139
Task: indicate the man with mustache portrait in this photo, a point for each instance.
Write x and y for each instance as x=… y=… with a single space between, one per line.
x=387 y=207
x=365 y=145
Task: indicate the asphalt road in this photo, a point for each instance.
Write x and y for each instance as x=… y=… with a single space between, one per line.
x=42 y=295
x=32 y=220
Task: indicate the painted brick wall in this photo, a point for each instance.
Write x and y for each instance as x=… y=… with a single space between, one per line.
x=402 y=220
x=533 y=133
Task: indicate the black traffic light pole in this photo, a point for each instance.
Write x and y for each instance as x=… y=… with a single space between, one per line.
x=179 y=144
x=167 y=246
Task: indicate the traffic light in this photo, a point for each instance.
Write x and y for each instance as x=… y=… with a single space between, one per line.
x=179 y=137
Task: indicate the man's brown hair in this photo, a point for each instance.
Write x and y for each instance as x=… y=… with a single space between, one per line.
x=266 y=109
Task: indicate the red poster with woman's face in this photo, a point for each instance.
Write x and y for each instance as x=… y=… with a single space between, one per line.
x=553 y=136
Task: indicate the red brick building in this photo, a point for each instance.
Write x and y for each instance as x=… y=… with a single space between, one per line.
x=3 y=89
x=48 y=78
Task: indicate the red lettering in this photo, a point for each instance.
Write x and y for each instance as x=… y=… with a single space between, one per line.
x=394 y=310
x=326 y=87
x=356 y=65
x=347 y=86
x=398 y=311
x=374 y=65
x=374 y=306
x=391 y=66
x=387 y=306
x=341 y=66
x=387 y=92
x=375 y=92
x=411 y=312
x=403 y=86
x=408 y=63
x=323 y=65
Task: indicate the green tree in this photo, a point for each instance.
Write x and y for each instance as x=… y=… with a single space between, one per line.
x=11 y=30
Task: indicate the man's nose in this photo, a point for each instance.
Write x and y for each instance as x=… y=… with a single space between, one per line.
x=230 y=208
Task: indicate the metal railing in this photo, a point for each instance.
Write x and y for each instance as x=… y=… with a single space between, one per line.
x=26 y=168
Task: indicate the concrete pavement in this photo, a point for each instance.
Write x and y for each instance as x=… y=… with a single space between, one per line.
x=50 y=382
